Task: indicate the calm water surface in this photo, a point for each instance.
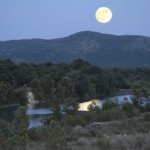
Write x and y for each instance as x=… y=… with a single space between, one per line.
x=40 y=111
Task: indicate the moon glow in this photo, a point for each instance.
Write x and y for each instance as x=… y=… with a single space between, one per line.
x=103 y=15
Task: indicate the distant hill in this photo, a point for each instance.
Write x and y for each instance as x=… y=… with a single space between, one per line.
x=100 y=49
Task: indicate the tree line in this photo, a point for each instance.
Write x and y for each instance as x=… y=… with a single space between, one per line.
x=79 y=79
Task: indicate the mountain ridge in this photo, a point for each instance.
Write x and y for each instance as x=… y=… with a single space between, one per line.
x=124 y=35
x=97 y=48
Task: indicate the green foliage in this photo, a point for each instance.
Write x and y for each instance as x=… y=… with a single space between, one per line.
x=37 y=89
x=147 y=116
x=93 y=107
x=18 y=142
x=112 y=114
x=56 y=137
x=105 y=115
x=139 y=142
x=19 y=138
x=25 y=74
x=47 y=86
x=71 y=106
x=66 y=88
x=75 y=120
x=56 y=107
x=81 y=84
x=21 y=121
x=130 y=109
x=20 y=96
x=78 y=79
x=4 y=134
x=147 y=107
x=104 y=144
x=79 y=64
x=4 y=89
x=140 y=92
x=108 y=104
x=14 y=136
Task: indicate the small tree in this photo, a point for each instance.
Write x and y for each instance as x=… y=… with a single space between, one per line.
x=56 y=137
x=56 y=107
x=93 y=107
x=71 y=106
x=66 y=88
x=19 y=137
x=140 y=94
x=147 y=107
x=21 y=121
x=37 y=89
x=108 y=104
x=21 y=96
x=4 y=134
x=130 y=109
x=48 y=87
x=4 y=89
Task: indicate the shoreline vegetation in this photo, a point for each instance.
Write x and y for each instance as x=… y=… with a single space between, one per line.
x=64 y=86
x=118 y=93
x=79 y=79
x=10 y=105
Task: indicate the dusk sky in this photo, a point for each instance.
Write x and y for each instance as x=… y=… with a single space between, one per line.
x=48 y=19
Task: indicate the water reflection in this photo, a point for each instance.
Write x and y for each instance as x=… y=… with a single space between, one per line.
x=40 y=111
x=84 y=106
x=37 y=120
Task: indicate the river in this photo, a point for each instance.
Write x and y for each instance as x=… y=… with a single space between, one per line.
x=40 y=111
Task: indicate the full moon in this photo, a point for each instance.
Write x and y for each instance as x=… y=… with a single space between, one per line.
x=103 y=15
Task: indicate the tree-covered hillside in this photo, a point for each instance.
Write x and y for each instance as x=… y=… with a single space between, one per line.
x=97 y=48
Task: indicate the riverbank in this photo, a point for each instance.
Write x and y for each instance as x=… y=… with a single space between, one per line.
x=122 y=92
x=10 y=105
x=131 y=133
x=38 y=111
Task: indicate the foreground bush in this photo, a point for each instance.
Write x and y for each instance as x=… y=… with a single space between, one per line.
x=130 y=109
x=112 y=114
x=56 y=137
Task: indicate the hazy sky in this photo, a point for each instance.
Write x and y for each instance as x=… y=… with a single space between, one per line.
x=49 y=19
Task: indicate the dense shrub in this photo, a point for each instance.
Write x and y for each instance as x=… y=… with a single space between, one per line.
x=4 y=134
x=75 y=120
x=147 y=107
x=111 y=114
x=147 y=116
x=108 y=104
x=56 y=137
x=130 y=109
x=104 y=144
